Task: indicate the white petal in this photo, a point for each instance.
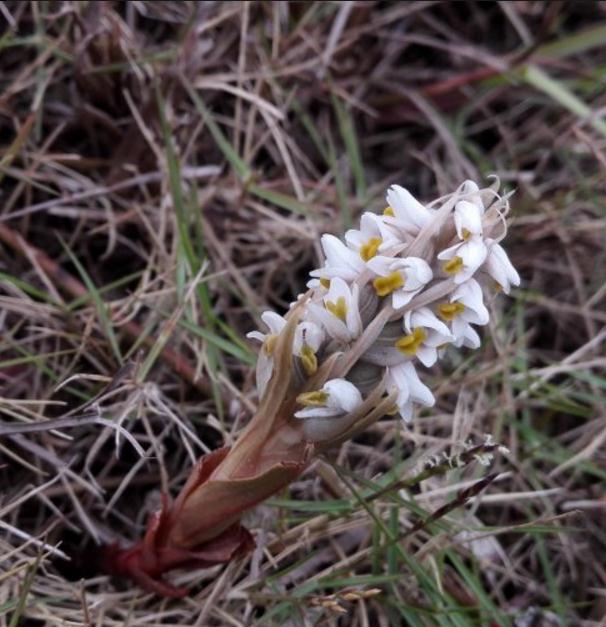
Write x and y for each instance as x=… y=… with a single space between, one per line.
x=370 y=226
x=342 y=394
x=380 y=265
x=418 y=272
x=470 y=338
x=500 y=267
x=274 y=321
x=318 y=412
x=473 y=253
x=313 y=335
x=355 y=239
x=408 y=321
x=400 y=298
x=307 y=333
x=467 y=217
x=470 y=294
x=464 y=333
x=256 y=335
x=314 y=283
x=338 y=288
x=405 y=410
x=330 y=272
x=373 y=225
x=418 y=390
x=388 y=233
x=335 y=327
x=338 y=256
x=437 y=338
x=265 y=367
x=405 y=379
x=353 y=319
x=397 y=377
x=449 y=253
x=427 y=355
x=424 y=317
x=407 y=209
x=471 y=190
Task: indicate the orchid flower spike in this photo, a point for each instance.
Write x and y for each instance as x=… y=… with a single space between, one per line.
x=435 y=291
x=400 y=288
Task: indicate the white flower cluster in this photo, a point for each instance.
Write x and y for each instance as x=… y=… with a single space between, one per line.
x=430 y=265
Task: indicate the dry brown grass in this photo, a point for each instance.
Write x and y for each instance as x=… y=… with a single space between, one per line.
x=165 y=171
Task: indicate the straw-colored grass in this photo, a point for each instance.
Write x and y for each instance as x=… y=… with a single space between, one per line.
x=166 y=170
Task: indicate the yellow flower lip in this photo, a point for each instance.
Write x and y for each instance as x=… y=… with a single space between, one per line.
x=309 y=360
x=453 y=266
x=369 y=249
x=410 y=344
x=388 y=211
x=324 y=282
x=449 y=311
x=338 y=309
x=317 y=398
x=385 y=285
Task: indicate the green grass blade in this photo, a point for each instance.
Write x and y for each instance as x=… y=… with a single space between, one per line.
x=100 y=306
x=222 y=142
x=352 y=146
x=540 y=80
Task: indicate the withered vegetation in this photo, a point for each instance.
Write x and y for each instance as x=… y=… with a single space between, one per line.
x=166 y=169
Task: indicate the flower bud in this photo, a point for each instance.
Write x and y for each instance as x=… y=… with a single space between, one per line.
x=369 y=304
x=365 y=376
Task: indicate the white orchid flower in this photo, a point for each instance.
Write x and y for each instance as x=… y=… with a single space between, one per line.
x=340 y=262
x=265 y=361
x=340 y=313
x=465 y=307
x=463 y=259
x=425 y=335
x=405 y=212
x=374 y=235
x=410 y=388
x=309 y=334
x=307 y=341
x=499 y=267
x=402 y=278
x=336 y=398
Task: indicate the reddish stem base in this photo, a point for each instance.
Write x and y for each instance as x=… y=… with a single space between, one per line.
x=146 y=562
